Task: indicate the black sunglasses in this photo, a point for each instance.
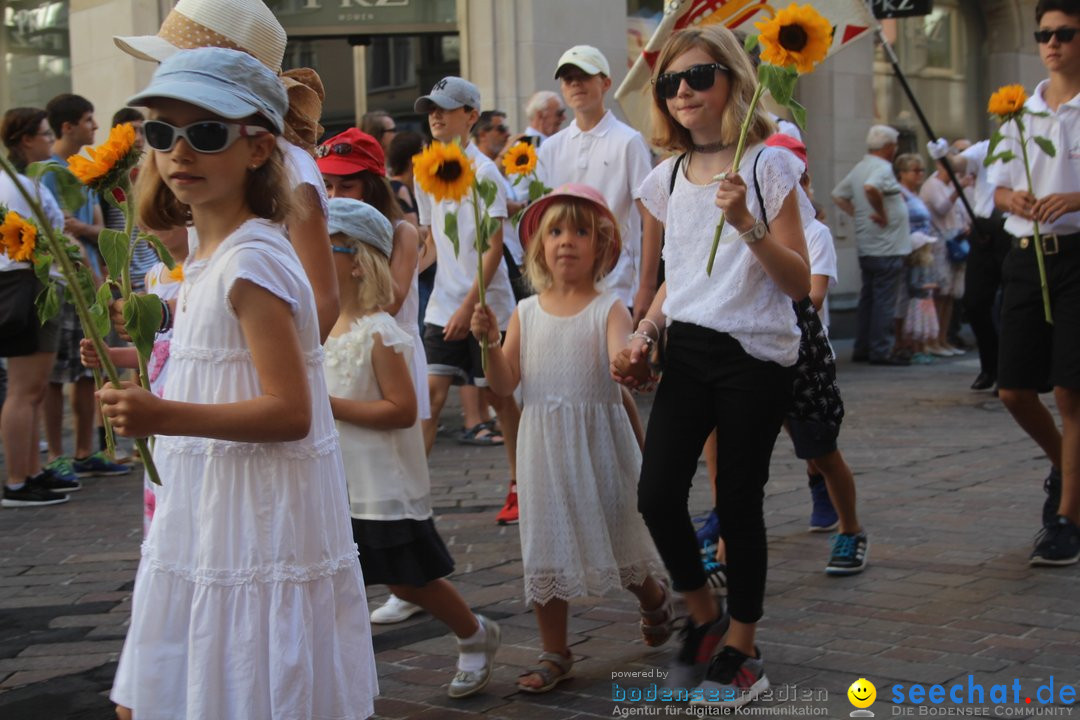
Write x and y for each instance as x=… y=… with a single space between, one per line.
x=1064 y=35
x=205 y=136
x=698 y=77
x=335 y=149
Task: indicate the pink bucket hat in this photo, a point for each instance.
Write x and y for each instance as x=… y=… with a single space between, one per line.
x=530 y=221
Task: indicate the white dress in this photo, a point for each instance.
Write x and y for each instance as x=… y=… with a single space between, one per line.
x=578 y=461
x=249 y=600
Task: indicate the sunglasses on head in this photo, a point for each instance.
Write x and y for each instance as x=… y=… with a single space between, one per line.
x=335 y=149
x=1064 y=35
x=205 y=136
x=698 y=77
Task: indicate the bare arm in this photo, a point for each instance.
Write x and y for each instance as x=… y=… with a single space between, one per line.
x=844 y=204
x=504 y=364
x=651 y=233
x=428 y=254
x=403 y=259
x=280 y=414
x=1016 y=202
x=877 y=202
x=819 y=288
x=396 y=409
x=310 y=239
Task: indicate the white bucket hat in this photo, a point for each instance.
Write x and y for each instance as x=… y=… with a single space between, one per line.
x=246 y=25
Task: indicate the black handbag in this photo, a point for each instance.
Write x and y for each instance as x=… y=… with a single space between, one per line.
x=18 y=315
x=816 y=396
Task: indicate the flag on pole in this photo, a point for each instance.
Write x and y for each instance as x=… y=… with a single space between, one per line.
x=850 y=19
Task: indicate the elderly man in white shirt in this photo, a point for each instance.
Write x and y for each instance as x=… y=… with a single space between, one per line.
x=546 y=113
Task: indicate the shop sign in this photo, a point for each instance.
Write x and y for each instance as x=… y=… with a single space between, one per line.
x=365 y=17
x=901 y=8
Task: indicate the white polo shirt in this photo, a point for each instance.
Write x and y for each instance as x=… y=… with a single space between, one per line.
x=456 y=273
x=1050 y=175
x=613 y=158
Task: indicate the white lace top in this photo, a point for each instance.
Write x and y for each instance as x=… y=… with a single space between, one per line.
x=739 y=298
x=386 y=470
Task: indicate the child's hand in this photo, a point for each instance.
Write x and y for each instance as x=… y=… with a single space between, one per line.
x=132 y=410
x=484 y=325
x=116 y=316
x=731 y=198
x=631 y=366
x=88 y=355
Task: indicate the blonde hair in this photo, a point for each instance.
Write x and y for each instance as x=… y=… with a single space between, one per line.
x=722 y=45
x=374 y=287
x=574 y=213
x=923 y=257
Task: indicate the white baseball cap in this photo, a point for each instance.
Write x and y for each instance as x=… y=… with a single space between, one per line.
x=585 y=57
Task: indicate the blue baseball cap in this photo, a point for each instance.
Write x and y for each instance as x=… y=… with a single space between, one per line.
x=228 y=83
x=360 y=221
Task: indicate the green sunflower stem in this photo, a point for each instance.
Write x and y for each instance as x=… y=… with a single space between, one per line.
x=82 y=304
x=744 y=130
x=478 y=243
x=1039 y=259
x=110 y=436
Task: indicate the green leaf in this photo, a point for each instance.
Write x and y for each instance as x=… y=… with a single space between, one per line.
x=516 y=219
x=451 y=230
x=84 y=282
x=779 y=81
x=1007 y=156
x=114 y=248
x=71 y=195
x=798 y=113
x=142 y=318
x=488 y=191
x=48 y=302
x=491 y=226
x=750 y=43
x=42 y=263
x=99 y=311
x=537 y=190
x=995 y=138
x=162 y=251
x=1045 y=145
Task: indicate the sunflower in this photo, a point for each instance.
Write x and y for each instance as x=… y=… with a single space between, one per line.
x=797 y=36
x=520 y=159
x=443 y=171
x=1007 y=101
x=19 y=237
x=109 y=161
x=177 y=273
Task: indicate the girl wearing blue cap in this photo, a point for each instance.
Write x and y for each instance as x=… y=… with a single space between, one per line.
x=249 y=600
x=368 y=374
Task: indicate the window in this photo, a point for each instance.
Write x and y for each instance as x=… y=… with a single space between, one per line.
x=391 y=63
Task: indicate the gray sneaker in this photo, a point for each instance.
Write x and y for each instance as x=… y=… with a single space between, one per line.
x=732 y=680
x=470 y=682
x=698 y=644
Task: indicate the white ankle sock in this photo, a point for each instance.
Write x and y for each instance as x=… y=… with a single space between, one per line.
x=473 y=661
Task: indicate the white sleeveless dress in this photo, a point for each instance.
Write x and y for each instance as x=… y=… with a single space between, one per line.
x=249 y=600
x=578 y=461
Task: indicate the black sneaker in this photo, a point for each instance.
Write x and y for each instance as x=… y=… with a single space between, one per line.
x=849 y=553
x=733 y=679
x=697 y=645
x=55 y=481
x=30 y=495
x=1057 y=544
x=1052 y=488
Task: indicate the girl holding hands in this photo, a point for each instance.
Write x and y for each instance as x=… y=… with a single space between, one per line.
x=732 y=343
x=249 y=599
x=577 y=454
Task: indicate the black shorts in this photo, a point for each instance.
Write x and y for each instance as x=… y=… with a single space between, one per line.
x=1035 y=355
x=812 y=439
x=459 y=359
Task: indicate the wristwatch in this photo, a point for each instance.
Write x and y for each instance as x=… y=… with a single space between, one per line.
x=754 y=234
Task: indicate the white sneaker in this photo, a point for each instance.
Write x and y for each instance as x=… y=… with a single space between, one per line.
x=394 y=610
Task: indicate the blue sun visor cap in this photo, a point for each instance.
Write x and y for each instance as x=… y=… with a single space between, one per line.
x=360 y=221
x=228 y=83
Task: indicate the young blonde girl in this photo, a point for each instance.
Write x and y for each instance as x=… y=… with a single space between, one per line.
x=249 y=600
x=577 y=456
x=368 y=375
x=921 y=319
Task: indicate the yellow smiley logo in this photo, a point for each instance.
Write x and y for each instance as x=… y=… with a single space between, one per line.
x=862 y=693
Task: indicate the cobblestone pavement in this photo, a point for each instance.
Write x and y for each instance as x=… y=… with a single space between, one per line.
x=949 y=489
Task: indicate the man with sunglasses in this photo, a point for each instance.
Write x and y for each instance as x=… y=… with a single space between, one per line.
x=598 y=150
x=1035 y=355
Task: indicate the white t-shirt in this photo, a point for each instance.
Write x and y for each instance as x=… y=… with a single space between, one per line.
x=303 y=169
x=1050 y=175
x=614 y=159
x=984 y=191
x=11 y=198
x=738 y=298
x=457 y=273
x=819 y=244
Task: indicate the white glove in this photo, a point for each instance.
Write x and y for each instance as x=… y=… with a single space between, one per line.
x=937 y=148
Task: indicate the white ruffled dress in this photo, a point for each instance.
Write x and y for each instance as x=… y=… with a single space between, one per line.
x=577 y=461
x=249 y=600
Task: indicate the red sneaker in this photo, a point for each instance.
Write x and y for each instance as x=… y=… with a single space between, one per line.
x=509 y=513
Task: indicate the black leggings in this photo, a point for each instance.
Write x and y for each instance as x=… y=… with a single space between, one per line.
x=710 y=382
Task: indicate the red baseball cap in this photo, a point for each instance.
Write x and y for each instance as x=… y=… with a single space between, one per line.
x=786 y=141
x=349 y=153
x=530 y=221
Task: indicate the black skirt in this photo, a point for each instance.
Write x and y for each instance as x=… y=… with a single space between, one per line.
x=401 y=552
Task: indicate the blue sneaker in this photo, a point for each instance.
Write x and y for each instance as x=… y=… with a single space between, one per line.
x=715 y=571
x=849 y=554
x=710 y=531
x=59 y=476
x=823 y=517
x=97 y=465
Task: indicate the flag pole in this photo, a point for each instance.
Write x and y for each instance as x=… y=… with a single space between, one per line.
x=895 y=62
